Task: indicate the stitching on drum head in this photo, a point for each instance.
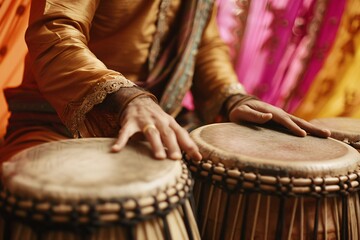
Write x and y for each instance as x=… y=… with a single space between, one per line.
x=241 y=181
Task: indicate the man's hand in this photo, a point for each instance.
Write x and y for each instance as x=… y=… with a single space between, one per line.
x=166 y=137
x=260 y=112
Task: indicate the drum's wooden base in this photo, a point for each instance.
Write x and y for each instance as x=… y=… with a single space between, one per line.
x=147 y=230
x=262 y=183
x=77 y=189
x=224 y=215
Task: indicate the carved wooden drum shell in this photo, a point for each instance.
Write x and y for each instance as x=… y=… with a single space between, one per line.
x=77 y=189
x=260 y=183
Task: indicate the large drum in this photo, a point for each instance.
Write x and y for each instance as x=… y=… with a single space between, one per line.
x=258 y=183
x=342 y=128
x=77 y=189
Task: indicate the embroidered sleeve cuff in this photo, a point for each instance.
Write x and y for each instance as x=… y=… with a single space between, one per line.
x=216 y=108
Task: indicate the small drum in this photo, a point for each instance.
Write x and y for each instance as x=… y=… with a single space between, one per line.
x=342 y=128
x=77 y=189
x=258 y=183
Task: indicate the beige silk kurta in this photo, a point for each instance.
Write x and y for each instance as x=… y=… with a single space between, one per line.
x=82 y=50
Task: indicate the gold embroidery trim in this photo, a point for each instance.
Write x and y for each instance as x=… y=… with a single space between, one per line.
x=212 y=109
x=105 y=86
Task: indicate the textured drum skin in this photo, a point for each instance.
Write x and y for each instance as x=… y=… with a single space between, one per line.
x=85 y=169
x=79 y=185
x=261 y=183
x=342 y=128
x=251 y=146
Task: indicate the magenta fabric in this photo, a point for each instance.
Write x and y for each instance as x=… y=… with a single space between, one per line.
x=322 y=46
x=281 y=50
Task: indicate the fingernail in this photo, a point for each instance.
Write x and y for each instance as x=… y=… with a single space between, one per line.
x=197 y=156
x=116 y=147
x=161 y=155
x=176 y=156
x=266 y=115
x=304 y=133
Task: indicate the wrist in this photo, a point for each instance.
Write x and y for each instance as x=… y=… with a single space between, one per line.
x=117 y=102
x=237 y=100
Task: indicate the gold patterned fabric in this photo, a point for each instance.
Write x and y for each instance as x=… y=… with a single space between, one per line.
x=104 y=45
x=81 y=51
x=335 y=90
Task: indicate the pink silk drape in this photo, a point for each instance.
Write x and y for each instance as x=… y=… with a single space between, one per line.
x=302 y=56
x=278 y=47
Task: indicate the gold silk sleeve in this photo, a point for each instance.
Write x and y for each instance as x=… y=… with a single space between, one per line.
x=214 y=78
x=68 y=74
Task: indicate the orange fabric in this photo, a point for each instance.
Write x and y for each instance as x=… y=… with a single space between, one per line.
x=14 y=16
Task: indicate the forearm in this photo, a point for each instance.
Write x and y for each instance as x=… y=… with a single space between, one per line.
x=214 y=79
x=71 y=78
x=117 y=102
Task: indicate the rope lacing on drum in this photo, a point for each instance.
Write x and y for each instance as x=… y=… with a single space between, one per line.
x=290 y=188
x=211 y=175
x=74 y=215
x=350 y=188
x=279 y=187
x=162 y=214
x=224 y=184
x=324 y=192
x=358 y=180
x=344 y=203
x=93 y=215
x=240 y=182
x=257 y=182
x=313 y=192
x=46 y=212
x=342 y=187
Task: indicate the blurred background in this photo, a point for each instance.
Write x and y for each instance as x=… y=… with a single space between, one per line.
x=302 y=56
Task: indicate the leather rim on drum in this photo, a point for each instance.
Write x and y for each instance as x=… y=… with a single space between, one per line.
x=342 y=128
x=124 y=211
x=356 y=145
x=236 y=180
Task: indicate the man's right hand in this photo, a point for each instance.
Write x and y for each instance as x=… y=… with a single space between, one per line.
x=166 y=137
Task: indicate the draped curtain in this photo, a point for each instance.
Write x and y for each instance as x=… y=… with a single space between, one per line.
x=14 y=16
x=302 y=56
x=335 y=90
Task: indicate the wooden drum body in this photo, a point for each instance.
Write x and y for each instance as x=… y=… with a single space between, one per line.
x=77 y=189
x=342 y=128
x=257 y=183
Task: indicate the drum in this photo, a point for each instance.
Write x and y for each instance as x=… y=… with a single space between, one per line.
x=77 y=189
x=260 y=183
x=342 y=128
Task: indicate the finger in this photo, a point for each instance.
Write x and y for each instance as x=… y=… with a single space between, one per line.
x=310 y=128
x=281 y=117
x=125 y=133
x=287 y=122
x=153 y=137
x=186 y=143
x=169 y=140
x=246 y=113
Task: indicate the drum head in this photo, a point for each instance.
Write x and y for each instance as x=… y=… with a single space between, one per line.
x=343 y=129
x=263 y=150
x=85 y=169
